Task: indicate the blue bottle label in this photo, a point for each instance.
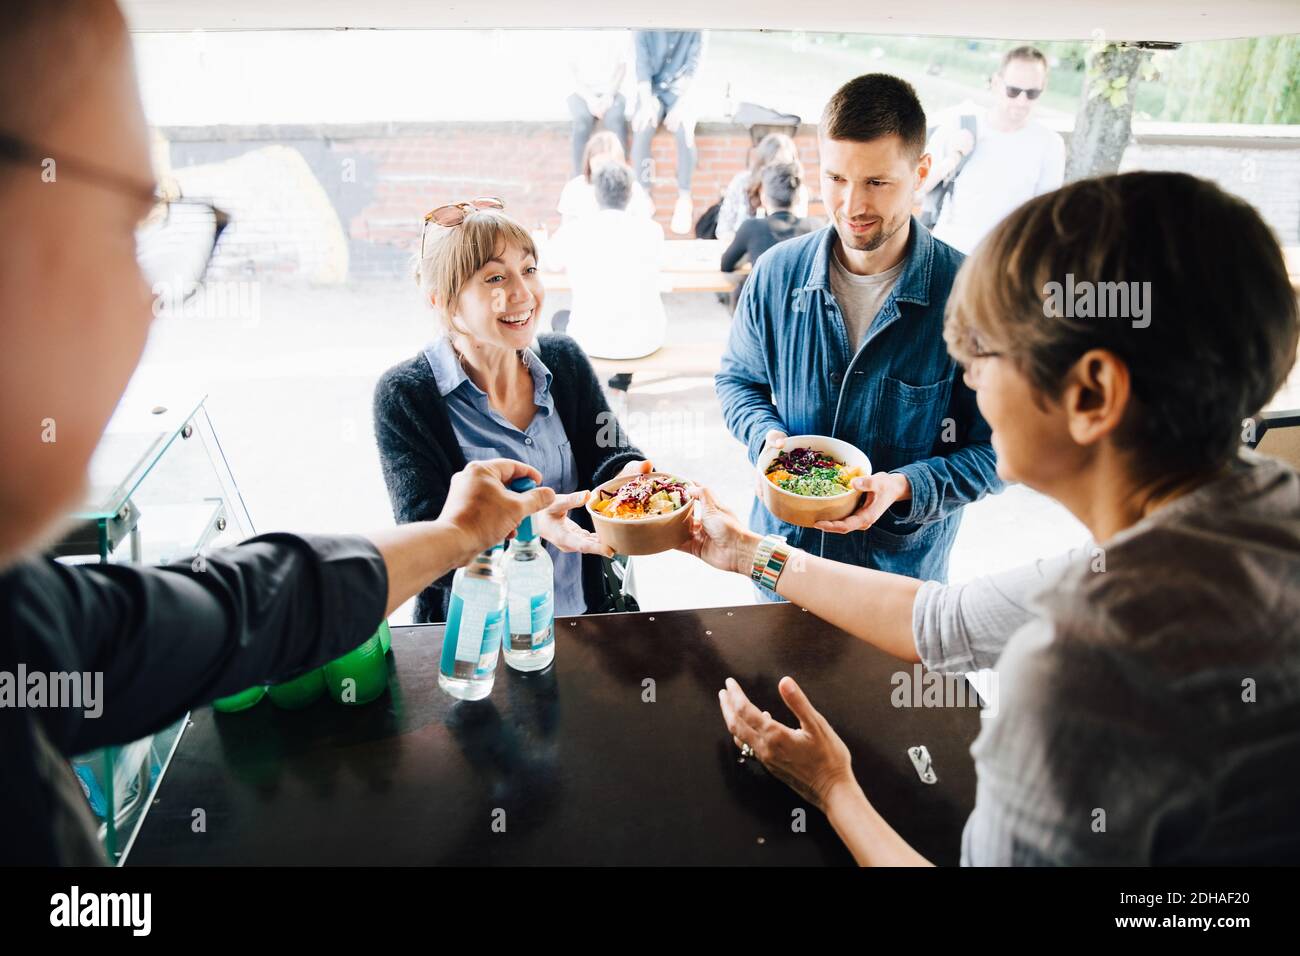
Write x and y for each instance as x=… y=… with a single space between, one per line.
x=471 y=641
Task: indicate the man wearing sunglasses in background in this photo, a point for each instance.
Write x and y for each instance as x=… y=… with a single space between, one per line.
x=1008 y=159
x=75 y=181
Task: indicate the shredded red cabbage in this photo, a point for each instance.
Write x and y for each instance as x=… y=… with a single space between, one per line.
x=801 y=461
x=639 y=490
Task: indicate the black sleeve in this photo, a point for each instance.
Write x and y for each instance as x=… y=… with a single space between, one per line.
x=165 y=640
x=739 y=246
x=417 y=472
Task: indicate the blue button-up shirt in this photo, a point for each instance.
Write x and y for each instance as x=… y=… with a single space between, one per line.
x=899 y=396
x=667 y=60
x=485 y=433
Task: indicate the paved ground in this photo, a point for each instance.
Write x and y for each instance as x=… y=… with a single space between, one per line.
x=290 y=395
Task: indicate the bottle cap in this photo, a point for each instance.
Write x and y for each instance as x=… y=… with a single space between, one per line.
x=489 y=554
x=525 y=532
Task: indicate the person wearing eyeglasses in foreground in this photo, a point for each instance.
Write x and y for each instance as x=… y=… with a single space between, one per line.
x=1009 y=156
x=1148 y=691
x=168 y=639
x=489 y=387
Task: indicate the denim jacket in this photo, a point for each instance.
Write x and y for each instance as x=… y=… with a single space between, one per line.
x=899 y=398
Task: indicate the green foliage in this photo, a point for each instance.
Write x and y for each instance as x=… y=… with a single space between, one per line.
x=1254 y=80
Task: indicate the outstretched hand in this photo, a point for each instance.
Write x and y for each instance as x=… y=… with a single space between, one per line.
x=811 y=759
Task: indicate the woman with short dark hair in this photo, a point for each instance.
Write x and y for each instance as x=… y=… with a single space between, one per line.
x=741 y=199
x=1147 y=703
x=780 y=185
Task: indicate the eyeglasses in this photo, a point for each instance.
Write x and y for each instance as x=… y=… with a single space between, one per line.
x=1029 y=91
x=978 y=356
x=15 y=150
x=453 y=214
x=175 y=234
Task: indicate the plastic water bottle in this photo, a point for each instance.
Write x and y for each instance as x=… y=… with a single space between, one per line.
x=530 y=596
x=471 y=642
x=360 y=675
x=300 y=692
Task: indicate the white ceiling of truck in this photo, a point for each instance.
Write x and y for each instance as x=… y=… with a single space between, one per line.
x=1174 y=20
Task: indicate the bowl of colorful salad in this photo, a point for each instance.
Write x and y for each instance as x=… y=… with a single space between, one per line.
x=809 y=479
x=642 y=514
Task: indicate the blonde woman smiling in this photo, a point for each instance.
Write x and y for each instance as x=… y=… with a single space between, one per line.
x=489 y=387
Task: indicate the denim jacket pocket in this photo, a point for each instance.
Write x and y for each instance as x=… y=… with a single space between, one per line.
x=909 y=418
x=923 y=553
x=923 y=537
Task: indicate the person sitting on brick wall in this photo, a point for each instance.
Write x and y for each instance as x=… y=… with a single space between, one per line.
x=666 y=64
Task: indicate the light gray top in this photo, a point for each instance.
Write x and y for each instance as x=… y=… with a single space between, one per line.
x=860 y=297
x=1146 y=708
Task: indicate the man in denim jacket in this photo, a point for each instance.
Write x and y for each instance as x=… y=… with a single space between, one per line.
x=840 y=333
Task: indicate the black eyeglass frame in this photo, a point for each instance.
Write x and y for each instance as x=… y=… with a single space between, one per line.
x=162 y=198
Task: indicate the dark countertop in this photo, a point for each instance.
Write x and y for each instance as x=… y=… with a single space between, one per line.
x=585 y=770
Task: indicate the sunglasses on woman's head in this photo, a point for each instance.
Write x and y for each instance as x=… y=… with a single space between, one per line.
x=1030 y=92
x=453 y=214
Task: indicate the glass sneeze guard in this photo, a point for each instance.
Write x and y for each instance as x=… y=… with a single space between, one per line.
x=158 y=480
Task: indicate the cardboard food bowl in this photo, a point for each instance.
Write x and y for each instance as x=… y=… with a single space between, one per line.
x=641 y=535
x=804 y=510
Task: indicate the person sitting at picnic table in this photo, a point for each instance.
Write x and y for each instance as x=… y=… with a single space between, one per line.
x=488 y=385
x=578 y=197
x=742 y=198
x=613 y=260
x=1146 y=708
x=781 y=184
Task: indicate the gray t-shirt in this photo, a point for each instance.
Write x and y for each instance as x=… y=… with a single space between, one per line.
x=860 y=297
x=1147 y=702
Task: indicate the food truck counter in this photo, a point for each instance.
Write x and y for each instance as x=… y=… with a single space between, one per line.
x=615 y=754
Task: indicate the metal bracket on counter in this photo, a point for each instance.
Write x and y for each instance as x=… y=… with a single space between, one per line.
x=921 y=761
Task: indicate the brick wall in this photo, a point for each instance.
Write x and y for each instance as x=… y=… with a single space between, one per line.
x=380 y=179
x=525 y=164
x=383 y=178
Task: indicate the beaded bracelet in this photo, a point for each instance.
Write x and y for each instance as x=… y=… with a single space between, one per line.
x=770 y=558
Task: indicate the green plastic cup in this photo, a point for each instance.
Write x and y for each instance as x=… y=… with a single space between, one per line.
x=385 y=636
x=241 y=701
x=300 y=692
x=360 y=675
